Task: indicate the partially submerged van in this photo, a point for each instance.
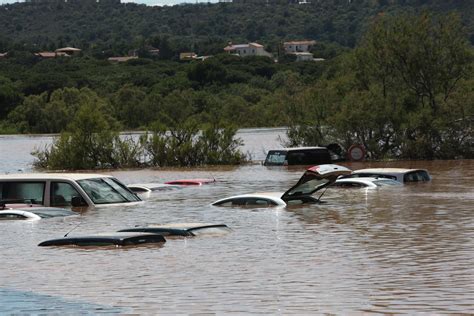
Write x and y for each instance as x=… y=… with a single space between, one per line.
x=64 y=189
x=298 y=156
x=402 y=175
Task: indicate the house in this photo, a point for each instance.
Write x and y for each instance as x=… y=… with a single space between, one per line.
x=303 y=56
x=300 y=49
x=121 y=59
x=146 y=50
x=153 y=51
x=244 y=50
x=298 y=46
x=68 y=51
x=187 y=56
x=46 y=55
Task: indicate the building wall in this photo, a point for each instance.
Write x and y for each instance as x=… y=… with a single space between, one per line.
x=296 y=48
x=251 y=51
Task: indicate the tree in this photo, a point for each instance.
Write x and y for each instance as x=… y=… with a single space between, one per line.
x=430 y=54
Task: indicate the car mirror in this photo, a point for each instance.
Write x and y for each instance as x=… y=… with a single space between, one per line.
x=77 y=201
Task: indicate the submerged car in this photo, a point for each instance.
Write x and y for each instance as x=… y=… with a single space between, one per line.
x=106 y=239
x=369 y=183
x=152 y=187
x=65 y=190
x=399 y=174
x=191 y=181
x=33 y=213
x=314 y=179
x=298 y=156
x=182 y=229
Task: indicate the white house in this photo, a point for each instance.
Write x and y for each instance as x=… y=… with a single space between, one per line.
x=303 y=56
x=298 y=46
x=250 y=49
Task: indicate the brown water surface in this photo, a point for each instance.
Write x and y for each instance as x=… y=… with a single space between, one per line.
x=391 y=250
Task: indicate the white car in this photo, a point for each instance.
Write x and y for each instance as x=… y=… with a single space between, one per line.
x=34 y=213
x=314 y=179
x=65 y=189
x=399 y=174
x=369 y=183
x=151 y=187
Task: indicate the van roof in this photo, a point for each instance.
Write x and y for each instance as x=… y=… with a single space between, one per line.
x=387 y=170
x=299 y=148
x=52 y=176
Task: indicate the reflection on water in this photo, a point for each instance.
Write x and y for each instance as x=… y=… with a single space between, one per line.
x=406 y=249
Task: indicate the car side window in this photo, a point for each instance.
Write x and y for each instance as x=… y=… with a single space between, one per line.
x=62 y=194
x=6 y=217
x=22 y=192
x=350 y=185
x=247 y=202
x=416 y=176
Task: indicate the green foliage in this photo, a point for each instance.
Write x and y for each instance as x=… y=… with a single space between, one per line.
x=118 y=28
x=40 y=114
x=187 y=146
x=10 y=95
x=130 y=106
x=403 y=93
x=88 y=143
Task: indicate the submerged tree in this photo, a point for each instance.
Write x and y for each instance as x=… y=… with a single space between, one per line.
x=418 y=61
x=398 y=93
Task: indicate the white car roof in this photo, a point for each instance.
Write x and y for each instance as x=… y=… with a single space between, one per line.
x=52 y=176
x=274 y=196
x=369 y=181
x=385 y=170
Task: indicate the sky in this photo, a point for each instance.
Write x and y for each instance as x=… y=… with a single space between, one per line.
x=147 y=2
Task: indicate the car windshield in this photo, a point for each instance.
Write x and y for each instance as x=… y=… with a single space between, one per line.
x=107 y=191
x=276 y=157
x=307 y=188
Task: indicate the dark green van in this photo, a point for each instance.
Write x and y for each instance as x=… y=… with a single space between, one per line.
x=298 y=156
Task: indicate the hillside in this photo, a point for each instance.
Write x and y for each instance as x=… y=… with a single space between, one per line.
x=204 y=28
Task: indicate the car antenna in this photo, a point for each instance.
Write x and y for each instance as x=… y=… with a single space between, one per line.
x=212 y=176
x=73 y=229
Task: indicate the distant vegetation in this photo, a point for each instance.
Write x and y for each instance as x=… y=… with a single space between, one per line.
x=400 y=83
x=104 y=29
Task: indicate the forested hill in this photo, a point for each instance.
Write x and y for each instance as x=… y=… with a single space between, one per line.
x=204 y=28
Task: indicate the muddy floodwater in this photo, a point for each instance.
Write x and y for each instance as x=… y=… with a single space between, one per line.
x=408 y=249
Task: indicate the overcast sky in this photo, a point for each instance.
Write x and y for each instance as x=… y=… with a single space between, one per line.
x=147 y=2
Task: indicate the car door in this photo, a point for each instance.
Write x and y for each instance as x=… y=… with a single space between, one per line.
x=314 y=179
